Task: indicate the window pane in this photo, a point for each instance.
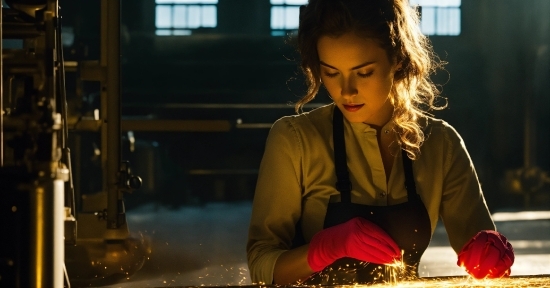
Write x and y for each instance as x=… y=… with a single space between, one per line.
x=277 y=18
x=209 y=16
x=436 y=3
x=428 y=21
x=195 y=1
x=277 y=2
x=161 y=32
x=163 y=17
x=278 y=33
x=442 y=24
x=454 y=19
x=292 y=17
x=448 y=21
x=186 y=1
x=296 y=2
x=194 y=16
x=180 y=16
x=181 y=32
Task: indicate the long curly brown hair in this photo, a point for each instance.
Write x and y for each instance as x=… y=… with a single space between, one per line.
x=395 y=25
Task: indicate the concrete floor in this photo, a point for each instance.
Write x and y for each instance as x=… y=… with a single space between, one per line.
x=205 y=246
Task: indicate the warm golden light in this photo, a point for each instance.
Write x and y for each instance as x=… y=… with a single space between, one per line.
x=472 y=283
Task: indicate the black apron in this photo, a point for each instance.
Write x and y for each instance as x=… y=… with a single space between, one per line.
x=407 y=223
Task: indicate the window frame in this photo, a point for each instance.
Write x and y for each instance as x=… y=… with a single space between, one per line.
x=283 y=31
x=175 y=30
x=438 y=11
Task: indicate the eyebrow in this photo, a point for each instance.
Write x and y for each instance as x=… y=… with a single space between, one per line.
x=352 y=68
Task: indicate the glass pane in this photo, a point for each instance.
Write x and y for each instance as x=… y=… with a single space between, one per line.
x=164 y=1
x=448 y=21
x=277 y=18
x=296 y=2
x=209 y=16
x=436 y=3
x=195 y=1
x=162 y=32
x=182 y=32
x=194 y=16
x=292 y=17
x=180 y=16
x=163 y=16
x=277 y=2
x=442 y=22
x=454 y=19
x=428 y=21
x=278 y=33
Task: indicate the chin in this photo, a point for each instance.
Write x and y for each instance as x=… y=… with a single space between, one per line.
x=355 y=119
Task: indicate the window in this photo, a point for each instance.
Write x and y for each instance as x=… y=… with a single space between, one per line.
x=285 y=16
x=181 y=17
x=439 y=17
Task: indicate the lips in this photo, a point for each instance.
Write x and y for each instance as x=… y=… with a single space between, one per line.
x=353 y=107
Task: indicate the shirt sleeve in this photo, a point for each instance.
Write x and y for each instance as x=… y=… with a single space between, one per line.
x=277 y=201
x=463 y=208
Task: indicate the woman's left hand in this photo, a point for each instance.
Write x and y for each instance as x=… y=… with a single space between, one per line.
x=487 y=255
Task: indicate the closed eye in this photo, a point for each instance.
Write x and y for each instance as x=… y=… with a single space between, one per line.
x=365 y=75
x=331 y=75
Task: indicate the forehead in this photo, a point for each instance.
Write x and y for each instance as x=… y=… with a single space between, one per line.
x=349 y=50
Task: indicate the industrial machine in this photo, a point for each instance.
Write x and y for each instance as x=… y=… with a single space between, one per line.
x=46 y=241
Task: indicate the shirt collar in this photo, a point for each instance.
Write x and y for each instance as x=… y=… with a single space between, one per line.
x=363 y=127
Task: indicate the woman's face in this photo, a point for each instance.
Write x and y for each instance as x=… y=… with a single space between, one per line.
x=358 y=75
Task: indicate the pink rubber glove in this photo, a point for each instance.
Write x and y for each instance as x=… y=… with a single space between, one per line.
x=487 y=255
x=357 y=238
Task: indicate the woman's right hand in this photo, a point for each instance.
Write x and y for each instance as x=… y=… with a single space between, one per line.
x=357 y=238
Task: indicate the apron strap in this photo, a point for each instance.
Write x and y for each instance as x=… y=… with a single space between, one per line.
x=343 y=185
x=409 y=178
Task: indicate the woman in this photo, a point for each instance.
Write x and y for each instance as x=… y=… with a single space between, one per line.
x=349 y=188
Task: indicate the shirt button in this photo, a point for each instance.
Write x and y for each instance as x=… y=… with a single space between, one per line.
x=383 y=194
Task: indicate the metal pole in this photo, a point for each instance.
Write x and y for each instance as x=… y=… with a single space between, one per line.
x=47 y=245
x=110 y=95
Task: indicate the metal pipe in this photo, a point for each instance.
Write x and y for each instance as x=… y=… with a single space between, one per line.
x=47 y=246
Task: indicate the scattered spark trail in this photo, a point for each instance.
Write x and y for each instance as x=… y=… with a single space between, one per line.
x=468 y=282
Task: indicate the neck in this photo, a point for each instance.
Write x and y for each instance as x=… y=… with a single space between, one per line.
x=382 y=117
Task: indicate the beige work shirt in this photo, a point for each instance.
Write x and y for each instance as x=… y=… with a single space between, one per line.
x=297 y=180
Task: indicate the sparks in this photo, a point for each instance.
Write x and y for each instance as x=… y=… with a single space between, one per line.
x=468 y=282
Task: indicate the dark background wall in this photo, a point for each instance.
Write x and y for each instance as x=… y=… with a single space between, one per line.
x=499 y=61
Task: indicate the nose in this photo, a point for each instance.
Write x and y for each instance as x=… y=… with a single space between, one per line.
x=348 y=86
